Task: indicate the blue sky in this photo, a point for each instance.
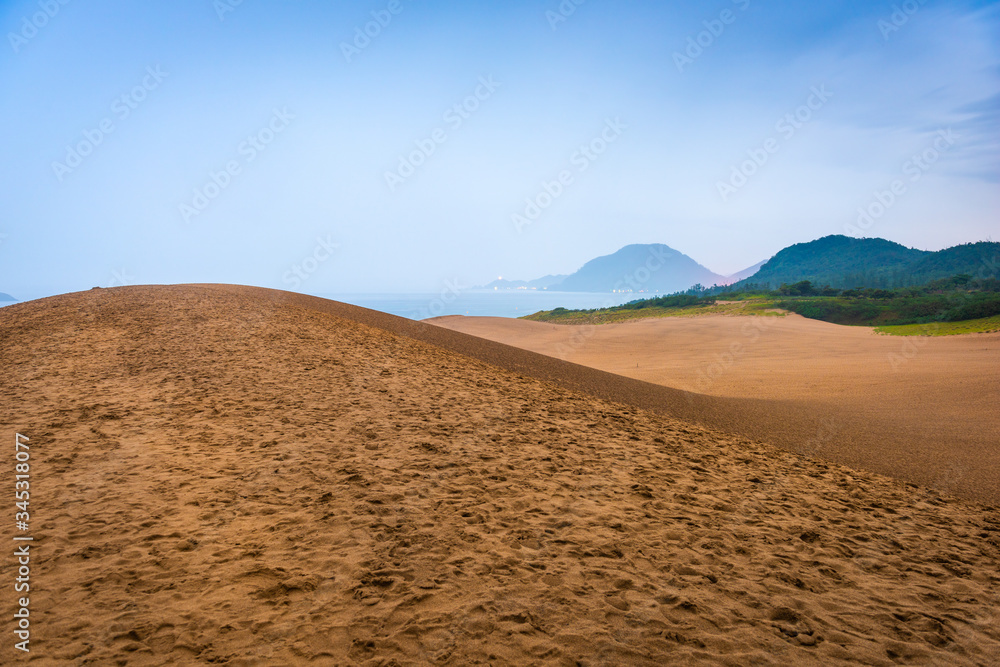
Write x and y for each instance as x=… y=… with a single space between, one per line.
x=277 y=144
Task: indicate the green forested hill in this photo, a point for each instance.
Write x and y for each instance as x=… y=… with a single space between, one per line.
x=844 y=262
x=979 y=260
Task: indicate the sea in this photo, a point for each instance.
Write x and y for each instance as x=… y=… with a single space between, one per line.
x=493 y=303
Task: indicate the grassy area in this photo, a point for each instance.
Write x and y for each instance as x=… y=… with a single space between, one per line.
x=752 y=306
x=956 y=299
x=956 y=305
x=982 y=325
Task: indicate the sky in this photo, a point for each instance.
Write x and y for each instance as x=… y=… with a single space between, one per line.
x=405 y=145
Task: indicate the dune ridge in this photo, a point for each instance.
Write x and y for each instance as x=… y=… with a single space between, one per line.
x=240 y=476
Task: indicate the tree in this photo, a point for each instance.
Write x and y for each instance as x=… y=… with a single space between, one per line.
x=801 y=288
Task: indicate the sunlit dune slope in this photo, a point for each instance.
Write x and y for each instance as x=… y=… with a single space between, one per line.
x=240 y=476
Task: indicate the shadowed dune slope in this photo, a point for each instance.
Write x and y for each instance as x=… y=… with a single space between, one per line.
x=918 y=408
x=239 y=476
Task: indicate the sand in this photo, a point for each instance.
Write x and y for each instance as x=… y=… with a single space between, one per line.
x=924 y=409
x=242 y=476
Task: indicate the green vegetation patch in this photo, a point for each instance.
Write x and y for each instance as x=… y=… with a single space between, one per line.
x=949 y=300
x=658 y=307
x=955 y=305
x=982 y=325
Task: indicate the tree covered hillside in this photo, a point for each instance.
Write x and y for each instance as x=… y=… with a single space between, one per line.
x=843 y=262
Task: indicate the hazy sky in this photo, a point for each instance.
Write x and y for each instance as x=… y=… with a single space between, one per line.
x=227 y=141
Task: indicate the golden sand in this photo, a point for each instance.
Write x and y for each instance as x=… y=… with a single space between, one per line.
x=924 y=409
x=241 y=476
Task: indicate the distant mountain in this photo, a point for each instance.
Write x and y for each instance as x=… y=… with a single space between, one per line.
x=845 y=262
x=745 y=273
x=538 y=283
x=650 y=267
x=838 y=261
x=6 y=297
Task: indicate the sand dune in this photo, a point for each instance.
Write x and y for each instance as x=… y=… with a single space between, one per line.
x=920 y=408
x=248 y=477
